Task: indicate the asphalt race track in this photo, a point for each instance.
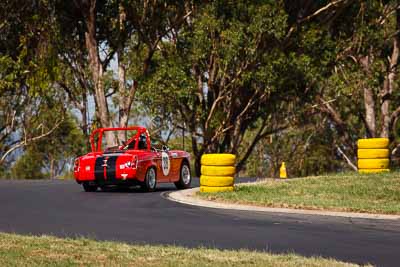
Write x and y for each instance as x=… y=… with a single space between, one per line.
x=61 y=208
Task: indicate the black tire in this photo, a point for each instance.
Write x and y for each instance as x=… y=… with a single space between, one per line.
x=104 y=188
x=150 y=180
x=185 y=178
x=89 y=188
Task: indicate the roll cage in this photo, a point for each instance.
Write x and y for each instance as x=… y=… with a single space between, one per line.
x=137 y=141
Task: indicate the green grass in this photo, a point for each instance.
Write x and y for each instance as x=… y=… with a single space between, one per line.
x=368 y=193
x=16 y=250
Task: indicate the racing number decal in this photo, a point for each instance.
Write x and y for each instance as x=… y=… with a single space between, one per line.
x=165 y=163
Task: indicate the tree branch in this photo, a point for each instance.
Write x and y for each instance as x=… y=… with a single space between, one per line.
x=212 y=110
x=319 y=11
x=260 y=135
x=26 y=140
x=354 y=167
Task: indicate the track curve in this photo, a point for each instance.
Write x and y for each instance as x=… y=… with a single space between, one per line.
x=61 y=208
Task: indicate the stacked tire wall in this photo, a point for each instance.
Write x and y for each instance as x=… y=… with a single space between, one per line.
x=373 y=155
x=217 y=173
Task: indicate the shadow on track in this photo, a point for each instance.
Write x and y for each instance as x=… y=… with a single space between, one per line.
x=133 y=189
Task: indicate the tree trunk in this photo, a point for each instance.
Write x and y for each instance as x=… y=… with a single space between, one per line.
x=51 y=172
x=85 y=121
x=387 y=89
x=369 y=104
x=97 y=71
x=197 y=153
x=126 y=95
x=123 y=113
x=124 y=101
x=197 y=165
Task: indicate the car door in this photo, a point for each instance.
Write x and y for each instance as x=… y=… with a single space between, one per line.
x=164 y=165
x=175 y=165
x=157 y=157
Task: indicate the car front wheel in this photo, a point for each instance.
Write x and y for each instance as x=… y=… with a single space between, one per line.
x=150 y=181
x=185 y=178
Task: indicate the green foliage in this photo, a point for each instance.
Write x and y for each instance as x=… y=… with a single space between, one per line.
x=29 y=166
x=28 y=67
x=53 y=155
x=306 y=151
x=238 y=75
x=224 y=49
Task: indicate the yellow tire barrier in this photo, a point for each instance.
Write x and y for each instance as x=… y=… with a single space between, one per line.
x=215 y=189
x=373 y=170
x=373 y=153
x=217 y=170
x=373 y=163
x=217 y=173
x=218 y=159
x=216 y=180
x=373 y=143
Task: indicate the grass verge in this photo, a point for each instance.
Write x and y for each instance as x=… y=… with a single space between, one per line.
x=351 y=192
x=16 y=250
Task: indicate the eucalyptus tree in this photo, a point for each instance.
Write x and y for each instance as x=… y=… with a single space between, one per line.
x=27 y=71
x=127 y=32
x=230 y=69
x=53 y=155
x=360 y=96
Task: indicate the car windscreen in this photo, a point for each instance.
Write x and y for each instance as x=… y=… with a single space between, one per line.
x=115 y=139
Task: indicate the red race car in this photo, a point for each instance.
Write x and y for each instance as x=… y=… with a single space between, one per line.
x=125 y=157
